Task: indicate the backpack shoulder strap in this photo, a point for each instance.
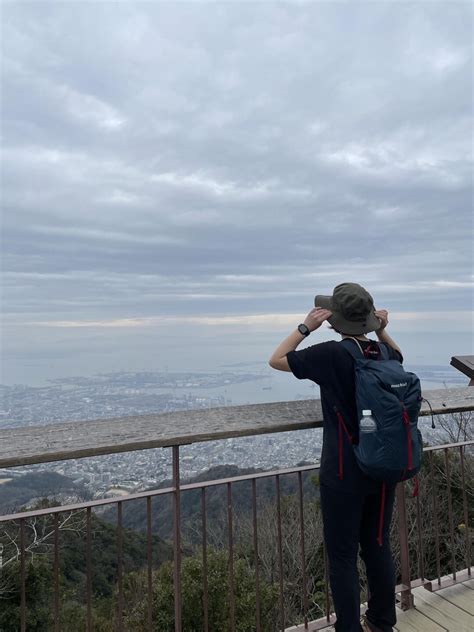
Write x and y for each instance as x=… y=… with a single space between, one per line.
x=356 y=351
x=384 y=351
x=353 y=347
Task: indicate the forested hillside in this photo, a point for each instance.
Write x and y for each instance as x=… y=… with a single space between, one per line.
x=440 y=533
x=22 y=490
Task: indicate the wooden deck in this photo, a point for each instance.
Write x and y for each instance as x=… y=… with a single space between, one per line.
x=450 y=608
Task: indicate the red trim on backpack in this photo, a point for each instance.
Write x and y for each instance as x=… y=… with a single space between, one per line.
x=369 y=348
x=341 y=426
x=381 y=515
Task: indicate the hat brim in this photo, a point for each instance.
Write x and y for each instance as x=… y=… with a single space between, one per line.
x=337 y=320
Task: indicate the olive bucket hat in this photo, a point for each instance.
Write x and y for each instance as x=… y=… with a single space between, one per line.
x=352 y=309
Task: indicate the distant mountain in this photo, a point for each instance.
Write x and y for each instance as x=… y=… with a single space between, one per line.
x=25 y=489
x=134 y=512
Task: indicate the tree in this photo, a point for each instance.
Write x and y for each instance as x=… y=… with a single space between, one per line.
x=38 y=591
x=192 y=582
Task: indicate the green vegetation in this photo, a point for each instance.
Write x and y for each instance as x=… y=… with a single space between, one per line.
x=39 y=535
x=437 y=495
x=134 y=513
x=192 y=587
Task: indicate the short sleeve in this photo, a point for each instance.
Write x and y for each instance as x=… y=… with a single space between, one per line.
x=393 y=354
x=312 y=363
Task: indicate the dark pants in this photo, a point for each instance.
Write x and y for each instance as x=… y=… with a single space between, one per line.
x=350 y=519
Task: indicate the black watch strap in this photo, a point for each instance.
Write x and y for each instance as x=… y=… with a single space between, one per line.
x=303 y=329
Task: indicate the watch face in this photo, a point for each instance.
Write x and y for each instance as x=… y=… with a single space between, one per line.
x=303 y=330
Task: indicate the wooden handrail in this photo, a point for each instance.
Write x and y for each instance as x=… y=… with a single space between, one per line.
x=70 y=440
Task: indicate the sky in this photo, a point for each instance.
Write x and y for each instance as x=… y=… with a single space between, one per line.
x=180 y=179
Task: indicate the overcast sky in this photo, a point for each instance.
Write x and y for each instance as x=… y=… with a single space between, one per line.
x=180 y=176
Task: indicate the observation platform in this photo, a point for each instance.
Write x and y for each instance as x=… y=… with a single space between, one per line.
x=448 y=609
x=430 y=523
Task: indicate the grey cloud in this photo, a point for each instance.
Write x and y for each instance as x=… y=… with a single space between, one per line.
x=154 y=153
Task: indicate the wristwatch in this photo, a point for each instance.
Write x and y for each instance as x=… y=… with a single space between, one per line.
x=303 y=329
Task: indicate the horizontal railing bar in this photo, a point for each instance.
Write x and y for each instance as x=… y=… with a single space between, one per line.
x=62 y=441
x=188 y=486
x=80 y=506
x=153 y=492
x=461 y=576
x=249 y=477
x=432 y=448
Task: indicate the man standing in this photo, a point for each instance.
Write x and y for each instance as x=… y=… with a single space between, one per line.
x=353 y=513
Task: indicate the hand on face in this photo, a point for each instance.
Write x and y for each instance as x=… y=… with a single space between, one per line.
x=316 y=318
x=382 y=315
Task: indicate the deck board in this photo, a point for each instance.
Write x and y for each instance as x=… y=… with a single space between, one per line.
x=416 y=621
x=433 y=612
x=445 y=613
x=463 y=599
x=447 y=610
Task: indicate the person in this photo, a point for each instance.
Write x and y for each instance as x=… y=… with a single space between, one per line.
x=352 y=510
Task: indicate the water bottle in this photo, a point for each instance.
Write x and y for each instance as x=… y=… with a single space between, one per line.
x=367 y=423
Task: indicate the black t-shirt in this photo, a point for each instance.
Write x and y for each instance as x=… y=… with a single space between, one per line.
x=331 y=366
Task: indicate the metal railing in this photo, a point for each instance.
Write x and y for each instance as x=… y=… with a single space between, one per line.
x=419 y=532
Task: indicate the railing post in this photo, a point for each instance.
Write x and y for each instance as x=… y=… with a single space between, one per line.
x=23 y=576
x=176 y=540
x=406 y=597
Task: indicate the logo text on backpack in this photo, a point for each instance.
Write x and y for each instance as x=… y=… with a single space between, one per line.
x=399 y=385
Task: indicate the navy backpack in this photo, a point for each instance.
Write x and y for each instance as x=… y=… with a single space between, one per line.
x=394 y=451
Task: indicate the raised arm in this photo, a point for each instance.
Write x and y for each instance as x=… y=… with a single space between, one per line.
x=313 y=320
x=382 y=334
